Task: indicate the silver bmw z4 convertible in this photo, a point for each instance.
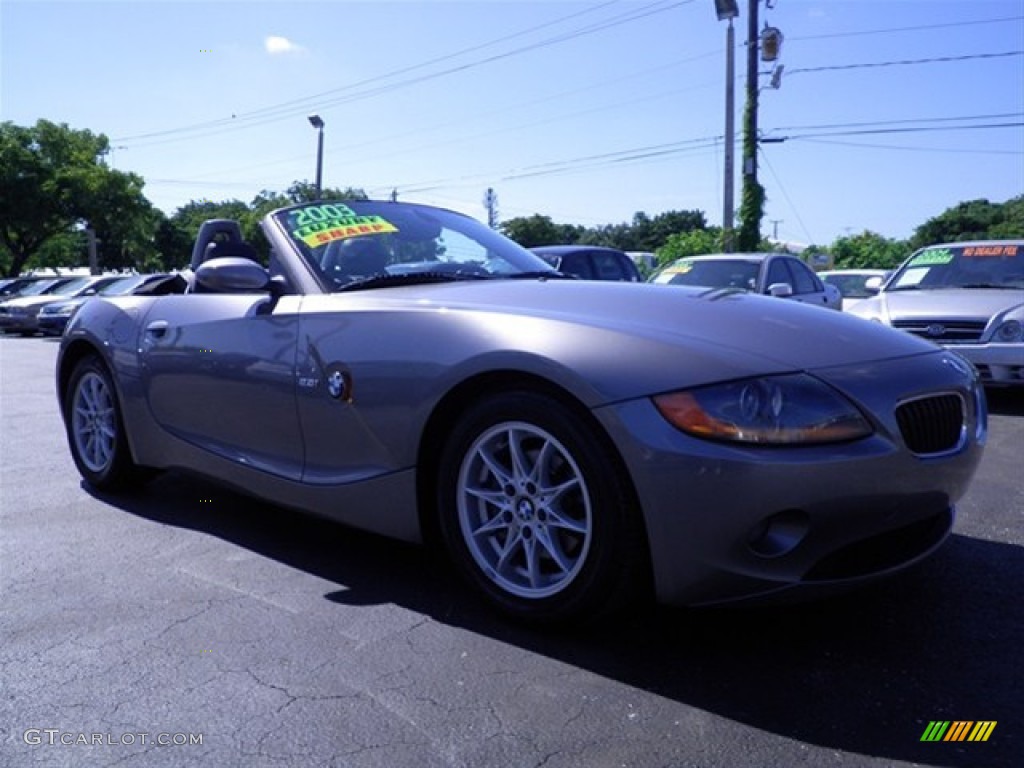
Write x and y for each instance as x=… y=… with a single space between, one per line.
x=572 y=446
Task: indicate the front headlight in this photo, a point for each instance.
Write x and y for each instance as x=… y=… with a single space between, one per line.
x=774 y=410
x=1009 y=331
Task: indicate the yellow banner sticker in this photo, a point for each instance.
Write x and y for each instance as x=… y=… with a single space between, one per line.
x=321 y=233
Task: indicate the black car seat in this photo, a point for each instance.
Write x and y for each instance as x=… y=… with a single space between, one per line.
x=360 y=257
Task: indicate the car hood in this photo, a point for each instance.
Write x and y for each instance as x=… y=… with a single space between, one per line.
x=726 y=324
x=56 y=306
x=961 y=303
x=30 y=302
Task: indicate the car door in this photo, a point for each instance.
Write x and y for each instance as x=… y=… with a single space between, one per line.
x=578 y=264
x=607 y=266
x=218 y=370
x=807 y=287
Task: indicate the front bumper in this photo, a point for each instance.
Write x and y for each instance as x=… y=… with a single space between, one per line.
x=997 y=364
x=728 y=522
x=53 y=325
x=19 y=323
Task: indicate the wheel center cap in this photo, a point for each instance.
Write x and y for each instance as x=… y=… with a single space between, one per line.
x=525 y=509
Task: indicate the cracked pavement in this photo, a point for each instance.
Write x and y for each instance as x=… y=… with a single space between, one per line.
x=285 y=640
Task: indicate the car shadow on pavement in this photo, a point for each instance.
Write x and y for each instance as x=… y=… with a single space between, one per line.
x=1009 y=402
x=863 y=673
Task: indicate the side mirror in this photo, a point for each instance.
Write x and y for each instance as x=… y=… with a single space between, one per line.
x=873 y=285
x=232 y=274
x=780 y=290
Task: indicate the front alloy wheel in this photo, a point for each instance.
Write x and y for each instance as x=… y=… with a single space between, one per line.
x=535 y=512
x=524 y=510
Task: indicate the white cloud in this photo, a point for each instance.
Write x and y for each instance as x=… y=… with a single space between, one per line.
x=281 y=45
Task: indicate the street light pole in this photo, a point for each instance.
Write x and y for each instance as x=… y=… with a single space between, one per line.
x=728 y=202
x=728 y=10
x=317 y=122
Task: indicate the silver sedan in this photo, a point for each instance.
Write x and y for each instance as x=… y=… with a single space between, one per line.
x=772 y=274
x=967 y=297
x=572 y=446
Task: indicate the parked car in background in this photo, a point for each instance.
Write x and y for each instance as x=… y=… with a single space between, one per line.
x=773 y=274
x=590 y=262
x=852 y=283
x=573 y=446
x=968 y=297
x=54 y=317
x=21 y=314
x=29 y=286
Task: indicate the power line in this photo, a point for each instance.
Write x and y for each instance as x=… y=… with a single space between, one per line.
x=285 y=110
x=903 y=62
x=996 y=116
x=918 y=28
x=909 y=148
x=785 y=194
x=877 y=131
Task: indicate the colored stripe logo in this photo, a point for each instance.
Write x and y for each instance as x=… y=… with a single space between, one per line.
x=958 y=730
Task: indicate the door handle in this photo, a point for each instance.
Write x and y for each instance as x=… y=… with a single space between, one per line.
x=157 y=329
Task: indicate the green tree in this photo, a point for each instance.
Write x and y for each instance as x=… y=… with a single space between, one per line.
x=530 y=231
x=868 y=250
x=54 y=179
x=692 y=243
x=1011 y=220
x=973 y=220
x=748 y=236
x=30 y=204
x=644 y=233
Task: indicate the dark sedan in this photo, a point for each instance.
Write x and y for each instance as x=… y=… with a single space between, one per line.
x=590 y=262
x=21 y=314
x=54 y=317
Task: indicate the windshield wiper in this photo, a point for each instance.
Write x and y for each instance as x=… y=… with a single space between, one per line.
x=383 y=280
x=540 y=274
x=999 y=286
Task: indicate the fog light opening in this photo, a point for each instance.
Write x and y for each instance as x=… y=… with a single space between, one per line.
x=778 y=534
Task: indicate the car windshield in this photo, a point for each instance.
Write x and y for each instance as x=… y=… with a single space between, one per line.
x=711 y=273
x=852 y=285
x=979 y=265
x=39 y=287
x=377 y=244
x=71 y=287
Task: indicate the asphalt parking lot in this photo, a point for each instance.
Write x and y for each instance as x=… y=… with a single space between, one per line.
x=189 y=625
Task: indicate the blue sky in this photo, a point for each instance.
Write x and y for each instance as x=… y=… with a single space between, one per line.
x=586 y=112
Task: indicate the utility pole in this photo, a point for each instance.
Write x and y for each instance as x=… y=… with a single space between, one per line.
x=752 y=204
x=491 y=204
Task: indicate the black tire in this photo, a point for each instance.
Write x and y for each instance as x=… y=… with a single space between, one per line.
x=553 y=536
x=95 y=430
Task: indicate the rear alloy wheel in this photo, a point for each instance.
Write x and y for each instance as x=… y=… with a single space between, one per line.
x=96 y=431
x=535 y=514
